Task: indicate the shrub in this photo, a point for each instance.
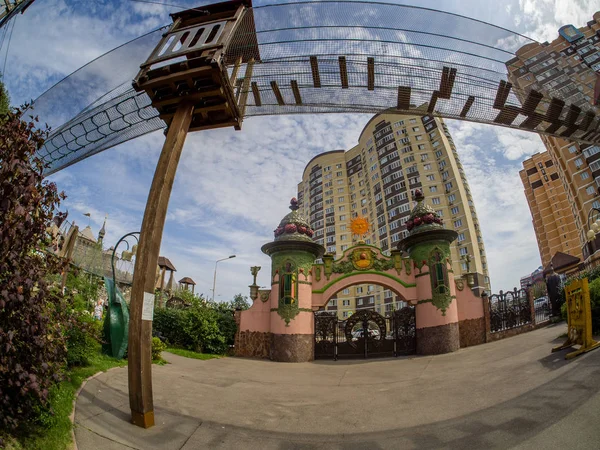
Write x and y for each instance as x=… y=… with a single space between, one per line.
x=32 y=340
x=83 y=338
x=169 y=325
x=157 y=348
x=201 y=327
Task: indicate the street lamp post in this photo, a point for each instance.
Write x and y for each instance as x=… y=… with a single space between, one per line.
x=215 y=277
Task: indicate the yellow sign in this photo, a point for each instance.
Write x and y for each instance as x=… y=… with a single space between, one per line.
x=579 y=319
x=359 y=226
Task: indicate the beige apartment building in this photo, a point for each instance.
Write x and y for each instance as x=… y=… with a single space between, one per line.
x=376 y=179
x=568 y=68
x=550 y=207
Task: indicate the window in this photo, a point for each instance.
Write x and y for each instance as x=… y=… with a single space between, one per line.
x=440 y=213
x=359 y=302
x=419 y=137
x=338 y=166
x=438 y=154
x=330 y=239
x=342 y=208
x=340 y=190
x=338 y=174
x=359 y=290
x=342 y=217
x=333 y=302
x=435 y=200
x=590 y=190
x=342 y=227
x=331 y=249
x=432 y=188
x=572 y=149
x=578 y=162
x=455 y=210
x=458 y=223
x=427 y=167
x=461 y=237
x=448 y=186
x=343 y=237
x=416 y=129
x=345 y=302
x=584 y=175
x=344 y=247
x=346 y=291
x=431 y=177
x=451 y=198
x=463 y=251
x=347 y=314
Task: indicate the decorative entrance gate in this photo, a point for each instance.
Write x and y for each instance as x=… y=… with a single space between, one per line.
x=365 y=334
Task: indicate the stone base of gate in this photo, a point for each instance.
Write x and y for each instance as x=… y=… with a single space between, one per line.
x=253 y=344
x=472 y=332
x=436 y=340
x=292 y=347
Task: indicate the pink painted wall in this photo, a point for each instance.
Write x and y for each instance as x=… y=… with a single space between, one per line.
x=257 y=317
x=427 y=315
x=319 y=300
x=469 y=305
x=303 y=323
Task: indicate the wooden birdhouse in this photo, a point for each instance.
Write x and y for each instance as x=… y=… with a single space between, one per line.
x=190 y=63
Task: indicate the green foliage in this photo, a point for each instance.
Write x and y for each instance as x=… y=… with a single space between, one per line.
x=32 y=313
x=157 y=348
x=207 y=327
x=240 y=302
x=83 y=338
x=4 y=100
x=191 y=354
x=563 y=311
x=52 y=427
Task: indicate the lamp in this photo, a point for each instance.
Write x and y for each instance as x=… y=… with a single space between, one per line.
x=215 y=277
x=254 y=287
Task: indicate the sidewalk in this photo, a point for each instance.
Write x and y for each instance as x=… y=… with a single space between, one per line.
x=509 y=393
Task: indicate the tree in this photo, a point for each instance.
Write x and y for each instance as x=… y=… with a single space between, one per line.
x=32 y=313
x=4 y=100
x=240 y=302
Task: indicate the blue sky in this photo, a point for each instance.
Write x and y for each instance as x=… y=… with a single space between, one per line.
x=221 y=207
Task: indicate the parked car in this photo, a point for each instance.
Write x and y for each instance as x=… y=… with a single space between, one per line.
x=356 y=334
x=542 y=303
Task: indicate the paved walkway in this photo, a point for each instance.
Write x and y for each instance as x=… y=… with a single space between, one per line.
x=506 y=394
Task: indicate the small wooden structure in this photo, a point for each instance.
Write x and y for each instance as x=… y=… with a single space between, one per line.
x=187 y=80
x=165 y=265
x=579 y=319
x=186 y=282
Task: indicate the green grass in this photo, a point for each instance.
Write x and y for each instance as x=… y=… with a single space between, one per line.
x=54 y=430
x=191 y=354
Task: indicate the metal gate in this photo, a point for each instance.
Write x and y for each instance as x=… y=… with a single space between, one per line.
x=365 y=334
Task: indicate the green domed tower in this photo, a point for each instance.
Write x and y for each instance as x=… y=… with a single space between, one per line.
x=293 y=253
x=428 y=245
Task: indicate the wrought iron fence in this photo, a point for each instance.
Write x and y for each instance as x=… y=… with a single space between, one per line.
x=509 y=309
x=542 y=309
x=365 y=334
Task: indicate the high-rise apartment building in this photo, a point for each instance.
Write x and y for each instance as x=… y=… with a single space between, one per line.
x=555 y=229
x=568 y=69
x=376 y=179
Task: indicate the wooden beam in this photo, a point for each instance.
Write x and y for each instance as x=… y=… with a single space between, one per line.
x=433 y=101
x=277 y=93
x=467 y=106
x=236 y=68
x=246 y=87
x=256 y=94
x=296 y=92
x=142 y=293
x=371 y=73
x=404 y=97
x=314 y=68
x=343 y=72
x=502 y=94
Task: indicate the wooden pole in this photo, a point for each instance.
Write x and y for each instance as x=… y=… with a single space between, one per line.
x=142 y=292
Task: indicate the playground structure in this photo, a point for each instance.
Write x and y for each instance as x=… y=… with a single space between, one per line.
x=220 y=63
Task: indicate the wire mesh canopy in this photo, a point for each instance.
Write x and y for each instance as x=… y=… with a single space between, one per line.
x=323 y=57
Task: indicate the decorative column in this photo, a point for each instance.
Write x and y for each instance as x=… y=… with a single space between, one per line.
x=293 y=254
x=428 y=245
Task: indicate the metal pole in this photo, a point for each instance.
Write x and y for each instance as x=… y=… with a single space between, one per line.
x=215 y=276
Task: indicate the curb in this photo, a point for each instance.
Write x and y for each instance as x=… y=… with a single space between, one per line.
x=72 y=415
